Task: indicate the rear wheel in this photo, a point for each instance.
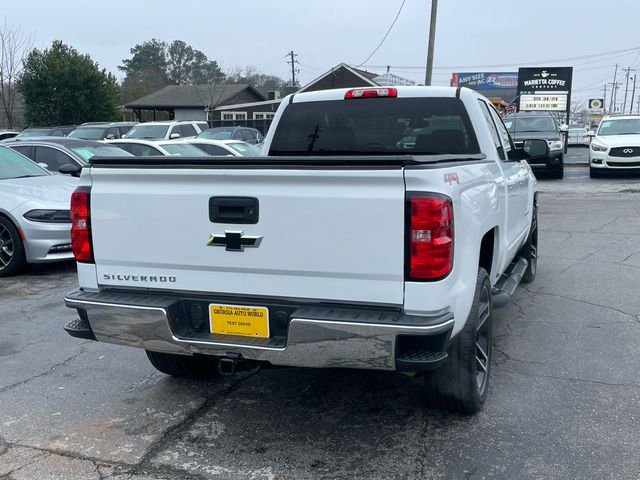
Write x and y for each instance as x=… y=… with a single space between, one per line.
x=462 y=383
x=12 y=256
x=197 y=366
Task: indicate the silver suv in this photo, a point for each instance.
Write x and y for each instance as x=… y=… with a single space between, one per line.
x=169 y=130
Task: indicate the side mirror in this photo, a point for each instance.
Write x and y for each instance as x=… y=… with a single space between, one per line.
x=173 y=136
x=564 y=128
x=43 y=165
x=70 y=169
x=591 y=133
x=111 y=136
x=535 y=148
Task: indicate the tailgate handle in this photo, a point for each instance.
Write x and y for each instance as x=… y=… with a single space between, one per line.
x=242 y=210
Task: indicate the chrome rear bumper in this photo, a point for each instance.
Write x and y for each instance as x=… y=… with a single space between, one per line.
x=317 y=336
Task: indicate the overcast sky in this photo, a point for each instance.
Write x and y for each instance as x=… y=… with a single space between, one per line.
x=326 y=32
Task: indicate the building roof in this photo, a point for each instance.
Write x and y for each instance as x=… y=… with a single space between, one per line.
x=367 y=77
x=191 y=96
x=364 y=73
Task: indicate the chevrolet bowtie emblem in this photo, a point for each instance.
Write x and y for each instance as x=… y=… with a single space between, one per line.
x=234 y=241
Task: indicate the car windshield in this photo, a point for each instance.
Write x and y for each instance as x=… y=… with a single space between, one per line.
x=244 y=149
x=380 y=126
x=14 y=165
x=530 y=124
x=184 y=150
x=622 y=126
x=576 y=127
x=216 y=134
x=148 y=131
x=88 y=152
x=35 y=132
x=88 y=133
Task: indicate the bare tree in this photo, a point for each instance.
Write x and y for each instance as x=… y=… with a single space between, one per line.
x=15 y=45
x=211 y=91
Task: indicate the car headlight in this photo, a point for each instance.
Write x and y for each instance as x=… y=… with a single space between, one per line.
x=556 y=145
x=48 y=216
x=596 y=147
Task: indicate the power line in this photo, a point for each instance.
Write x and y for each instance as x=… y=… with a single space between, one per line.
x=385 y=35
x=557 y=60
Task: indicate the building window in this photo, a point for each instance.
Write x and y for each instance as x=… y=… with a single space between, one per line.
x=234 y=116
x=263 y=115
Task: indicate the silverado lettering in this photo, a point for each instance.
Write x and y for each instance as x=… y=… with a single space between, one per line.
x=138 y=278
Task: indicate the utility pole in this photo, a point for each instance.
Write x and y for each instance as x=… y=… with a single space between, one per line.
x=633 y=92
x=293 y=62
x=626 y=87
x=614 y=91
x=432 y=40
x=612 y=103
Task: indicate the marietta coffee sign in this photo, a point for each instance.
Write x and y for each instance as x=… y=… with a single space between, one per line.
x=535 y=85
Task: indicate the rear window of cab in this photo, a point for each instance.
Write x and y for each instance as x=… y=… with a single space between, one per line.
x=375 y=126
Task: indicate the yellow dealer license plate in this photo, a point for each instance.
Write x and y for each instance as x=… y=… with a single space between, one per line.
x=239 y=320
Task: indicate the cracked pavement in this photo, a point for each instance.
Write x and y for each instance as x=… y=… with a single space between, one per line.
x=564 y=400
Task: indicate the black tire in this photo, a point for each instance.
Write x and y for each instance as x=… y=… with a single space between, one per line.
x=530 y=249
x=460 y=385
x=197 y=366
x=12 y=256
x=558 y=172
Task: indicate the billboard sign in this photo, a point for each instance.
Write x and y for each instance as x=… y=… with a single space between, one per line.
x=544 y=88
x=485 y=80
x=596 y=105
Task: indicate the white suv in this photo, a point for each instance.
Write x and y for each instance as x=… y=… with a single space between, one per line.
x=616 y=145
x=170 y=130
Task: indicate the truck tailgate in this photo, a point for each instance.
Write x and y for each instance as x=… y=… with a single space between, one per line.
x=327 y=234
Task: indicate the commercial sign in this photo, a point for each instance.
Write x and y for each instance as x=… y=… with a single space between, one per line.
x=485 y=80
x=543 y=102
x=596 y=105
x=544 y=88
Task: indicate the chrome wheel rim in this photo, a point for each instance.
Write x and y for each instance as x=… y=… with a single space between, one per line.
x=6 y=247
x=483 y=340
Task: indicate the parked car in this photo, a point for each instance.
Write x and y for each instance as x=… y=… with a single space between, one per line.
x=524 y=125
x=615 y=145
x=248 y=135
x=338 y=250
x=224 y=147
x=54 y=153
x=149 y=148
x=6 y=134
x=61 y=131
x=166 y=130
x=34 y=213
x=577 y=135
x=102 y=131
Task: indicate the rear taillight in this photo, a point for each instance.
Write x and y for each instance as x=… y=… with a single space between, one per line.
x=371 y=92
x=430 y=237
x=81 y=225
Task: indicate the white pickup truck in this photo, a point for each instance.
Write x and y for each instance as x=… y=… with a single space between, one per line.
x=377 y=232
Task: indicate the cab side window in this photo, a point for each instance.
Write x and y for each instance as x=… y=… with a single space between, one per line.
x=492 y=128
x=504 y=135
x=188 y=130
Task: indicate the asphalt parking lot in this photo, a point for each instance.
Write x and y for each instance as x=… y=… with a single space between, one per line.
x=564 y=402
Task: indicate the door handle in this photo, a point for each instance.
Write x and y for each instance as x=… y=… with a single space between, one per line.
x=239 y=210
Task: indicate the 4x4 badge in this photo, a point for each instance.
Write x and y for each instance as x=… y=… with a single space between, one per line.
x=234 y=241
